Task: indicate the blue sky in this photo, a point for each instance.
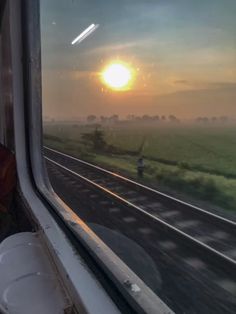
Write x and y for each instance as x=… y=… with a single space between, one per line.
x=179 y=47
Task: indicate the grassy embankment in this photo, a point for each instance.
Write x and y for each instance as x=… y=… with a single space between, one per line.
x=197 y=161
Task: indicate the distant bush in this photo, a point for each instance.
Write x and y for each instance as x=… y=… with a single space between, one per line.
x=184 y=165
x=94 y=140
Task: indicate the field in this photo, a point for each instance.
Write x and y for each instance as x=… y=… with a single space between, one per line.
x=196 y=160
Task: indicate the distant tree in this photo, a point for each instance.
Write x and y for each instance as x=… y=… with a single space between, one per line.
x=198 y=119
x=91 y=118
x=114 y=118
x=214 y=119
x=95 y=139
x=102 y=119
x=173 y=118
x=131 y=117
x=163 y=118
x=223 y=119
x=156 y=118
x=145 y=117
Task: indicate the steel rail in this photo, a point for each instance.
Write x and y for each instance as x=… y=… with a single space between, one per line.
x=216 y=218
x=206 y=251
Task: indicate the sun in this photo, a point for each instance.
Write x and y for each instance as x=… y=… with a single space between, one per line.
x=117 y=76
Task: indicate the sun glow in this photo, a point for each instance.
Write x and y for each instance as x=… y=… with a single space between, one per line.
x=117 y=76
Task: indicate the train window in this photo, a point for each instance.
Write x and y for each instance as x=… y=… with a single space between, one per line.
x=139 y=137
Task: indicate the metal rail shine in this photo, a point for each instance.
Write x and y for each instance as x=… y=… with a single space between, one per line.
x=216 y=257
x=211 y=215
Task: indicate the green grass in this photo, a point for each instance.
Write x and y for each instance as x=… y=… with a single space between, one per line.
x=198 y=161
x=206 y=149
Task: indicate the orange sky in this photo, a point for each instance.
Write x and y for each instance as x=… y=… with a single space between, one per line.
x=184 y=57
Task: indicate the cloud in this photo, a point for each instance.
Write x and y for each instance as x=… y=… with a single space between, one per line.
x=206 y=85
x=119 y=46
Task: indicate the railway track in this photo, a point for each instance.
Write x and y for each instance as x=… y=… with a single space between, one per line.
x=199 y=245
x=212 y=230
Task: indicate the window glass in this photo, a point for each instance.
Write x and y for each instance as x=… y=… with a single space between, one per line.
x=147 y=89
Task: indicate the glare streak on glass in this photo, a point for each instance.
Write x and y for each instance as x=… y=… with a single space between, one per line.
x=85 y=34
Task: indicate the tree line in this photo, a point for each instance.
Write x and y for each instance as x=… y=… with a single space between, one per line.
x=155 y=118
x=115 y=118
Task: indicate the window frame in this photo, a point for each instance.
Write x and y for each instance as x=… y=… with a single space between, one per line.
x=49 y=212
